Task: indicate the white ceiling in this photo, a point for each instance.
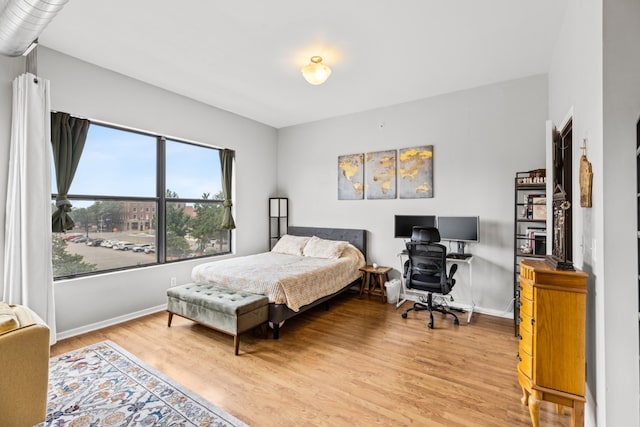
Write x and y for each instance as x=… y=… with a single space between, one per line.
x=245 y=56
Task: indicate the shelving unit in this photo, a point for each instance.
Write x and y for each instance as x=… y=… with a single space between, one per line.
x=530 y=226
x=278 y=219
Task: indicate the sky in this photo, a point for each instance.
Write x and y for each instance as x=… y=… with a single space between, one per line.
x=122 y=163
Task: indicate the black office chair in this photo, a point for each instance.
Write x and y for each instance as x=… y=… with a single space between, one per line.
x=426 y=270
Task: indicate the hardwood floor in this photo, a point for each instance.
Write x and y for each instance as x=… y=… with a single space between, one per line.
x=357 y=364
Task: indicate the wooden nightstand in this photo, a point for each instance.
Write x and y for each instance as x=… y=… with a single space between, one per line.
x=373 y=280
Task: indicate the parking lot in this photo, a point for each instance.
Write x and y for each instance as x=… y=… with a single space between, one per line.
x=108 y=258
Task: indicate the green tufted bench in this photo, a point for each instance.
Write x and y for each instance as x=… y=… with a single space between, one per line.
x=226 y=310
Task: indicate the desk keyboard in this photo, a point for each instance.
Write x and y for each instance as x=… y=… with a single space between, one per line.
x=458 y=256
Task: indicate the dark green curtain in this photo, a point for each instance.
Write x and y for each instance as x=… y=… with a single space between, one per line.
x=68 y=135
x=226 y=163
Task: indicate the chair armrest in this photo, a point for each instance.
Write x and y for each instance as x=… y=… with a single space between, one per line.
x=452 y=271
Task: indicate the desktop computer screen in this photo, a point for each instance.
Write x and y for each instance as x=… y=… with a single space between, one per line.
x=403 y=224
x=459 y=229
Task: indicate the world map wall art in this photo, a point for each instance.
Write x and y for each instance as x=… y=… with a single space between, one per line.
x=380 y=175
x=376 y=174
x=351 y=177
x=415 y=172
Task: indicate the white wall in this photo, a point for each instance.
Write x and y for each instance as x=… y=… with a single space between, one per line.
x=621 y=111
x=83 y=89
x=600 y=82
x=481 y=137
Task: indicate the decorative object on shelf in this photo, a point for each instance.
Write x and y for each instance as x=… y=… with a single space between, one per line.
x=381 y=175
x=315 y=72
x=351 y=177
x=539 y=211
x=415 y=172
x=586 y=177
x=558 y=259
x=536 y=176
x=278 y=219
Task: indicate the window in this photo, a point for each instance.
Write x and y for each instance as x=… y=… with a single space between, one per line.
x=140 y=199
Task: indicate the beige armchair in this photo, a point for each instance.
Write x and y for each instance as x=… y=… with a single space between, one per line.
x=24 y=366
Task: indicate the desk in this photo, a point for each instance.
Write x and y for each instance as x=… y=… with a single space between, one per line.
x=404 y=291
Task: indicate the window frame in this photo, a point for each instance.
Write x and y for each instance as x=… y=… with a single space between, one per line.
x=160 y=200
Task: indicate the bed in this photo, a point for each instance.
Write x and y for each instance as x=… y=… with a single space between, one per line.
x=293 y=283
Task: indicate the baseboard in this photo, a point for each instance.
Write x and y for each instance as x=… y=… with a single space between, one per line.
x=109 y=322
x=476 y=309
x=130 y=316
x=492 y=312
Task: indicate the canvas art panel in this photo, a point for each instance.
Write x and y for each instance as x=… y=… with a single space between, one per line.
x=381 y=175
x=351 y=177
x=415 y=172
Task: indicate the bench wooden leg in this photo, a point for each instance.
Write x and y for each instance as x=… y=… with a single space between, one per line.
x=236 y=344
x=170 y=318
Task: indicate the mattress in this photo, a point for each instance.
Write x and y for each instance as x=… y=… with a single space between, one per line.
x=285 y=279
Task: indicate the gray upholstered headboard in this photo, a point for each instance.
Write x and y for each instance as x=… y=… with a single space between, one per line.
x=356 y=237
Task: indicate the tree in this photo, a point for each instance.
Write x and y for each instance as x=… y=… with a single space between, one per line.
x=107 y=214
x=64 y=263
x=83 y=216
x=177 y=227
x=177 y=220
x=206 y=224
x=177 y=246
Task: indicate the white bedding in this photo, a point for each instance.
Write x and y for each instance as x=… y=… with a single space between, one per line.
x=285 y=279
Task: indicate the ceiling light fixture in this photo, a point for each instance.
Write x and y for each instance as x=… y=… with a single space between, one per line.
x=316 y=72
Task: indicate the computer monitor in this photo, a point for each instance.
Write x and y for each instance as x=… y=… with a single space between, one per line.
x=404 y=224
x=459 y=229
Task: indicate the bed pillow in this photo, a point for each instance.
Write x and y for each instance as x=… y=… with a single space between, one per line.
x=291 y=245
x=321 y=248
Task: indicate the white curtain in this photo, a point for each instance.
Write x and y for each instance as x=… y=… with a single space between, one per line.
x=28 y=277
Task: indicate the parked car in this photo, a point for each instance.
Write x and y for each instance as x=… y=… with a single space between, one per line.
x=94 y=242
x=150 y=249
x=123 y=246
x=71 y=236
x=80 y=239
x=140 y=248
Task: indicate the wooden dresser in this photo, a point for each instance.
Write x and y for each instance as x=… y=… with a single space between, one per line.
x=552 y=338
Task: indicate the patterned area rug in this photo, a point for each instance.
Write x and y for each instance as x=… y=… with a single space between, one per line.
x=104 y=385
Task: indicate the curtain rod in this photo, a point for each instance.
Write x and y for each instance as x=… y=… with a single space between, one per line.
x=31 y=65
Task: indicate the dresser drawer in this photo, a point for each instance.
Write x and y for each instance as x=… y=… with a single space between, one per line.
x=526 y=364
x=526 y=306
x=526 y=288
x=526 y=341
x=525 y=323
